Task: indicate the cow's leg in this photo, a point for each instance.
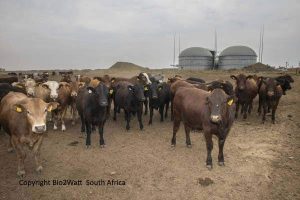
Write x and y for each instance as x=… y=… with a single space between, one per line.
x=151 y=115
x=274 y=108
x=93 y=128
x=88 y=134
x=146 y=106
x=237 y=109
x=161 y=111
x=209 y=147
x=265 y=108
x=167 y=108
x=250 y=106
x=36 y=151
x=115 y=113
x=10 y=146
x=74 y=113
x=102 y=143
x=127 y=113
x=259 y=104
x=176 y=125
x=244 y=110
x=63 y=114
x=55 y=119
x=172 y=115
x=187 y=135
x=82 y=123
x=139 y=115
x=21 y=155
x=221 y=142
x=108 y=108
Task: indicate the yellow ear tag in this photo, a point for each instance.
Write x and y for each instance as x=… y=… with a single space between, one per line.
x=112 y=81
x=19 y=86
x=111 y=91
x=145 y=88
x=159 y=89
x=50 y=108
x=18 y=109
x=230 y=102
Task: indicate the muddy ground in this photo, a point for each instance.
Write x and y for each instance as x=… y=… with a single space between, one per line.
x=262 y=161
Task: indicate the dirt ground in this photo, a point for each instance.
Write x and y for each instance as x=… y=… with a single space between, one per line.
x=262 y=161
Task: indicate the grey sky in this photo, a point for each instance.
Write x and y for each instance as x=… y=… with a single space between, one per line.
x=95 y=34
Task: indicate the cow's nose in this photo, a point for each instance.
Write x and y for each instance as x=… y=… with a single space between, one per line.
x=103 y=103
x=215 y=118
x=241 y=88
x=40 y=128
x=270 y=93
x=143 y=99
x=74 y=94
x=53 y=96
x=155 y=97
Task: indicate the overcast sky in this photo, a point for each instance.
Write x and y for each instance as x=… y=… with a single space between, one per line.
x=38 y=34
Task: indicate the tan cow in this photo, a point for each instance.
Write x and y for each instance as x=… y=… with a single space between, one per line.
x=24 y=120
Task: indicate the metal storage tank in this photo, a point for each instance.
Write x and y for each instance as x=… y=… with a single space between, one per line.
x=236 y=57
x=196 y=58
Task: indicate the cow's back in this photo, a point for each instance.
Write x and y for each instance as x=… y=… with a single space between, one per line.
x=189 y=106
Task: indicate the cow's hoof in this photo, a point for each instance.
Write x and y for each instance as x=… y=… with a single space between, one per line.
x=39 y=169
x=54 y=127
x=10 y=150
x=73 y=123
x=21 y=173
x=88 y=146
x=63 y=129
x=189 y=146
x=209 y=167
x=221 y=163
x=102 y=145
x=173 y=145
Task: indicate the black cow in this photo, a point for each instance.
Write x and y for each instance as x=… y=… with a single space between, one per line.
x=284 y=82
x=159 y=99
x=129 y=97
x=91 y=104
x=224 y=85
x=9 y=80
x=5 y=88
x=270 y=93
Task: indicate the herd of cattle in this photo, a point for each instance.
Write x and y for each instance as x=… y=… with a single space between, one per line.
x=26 y=99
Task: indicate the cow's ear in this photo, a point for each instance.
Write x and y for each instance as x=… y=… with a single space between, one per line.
x=45 y=86
x=233 y=77
x=19 y=108
x=52 y=106
x=250 y=76
x=91 y=90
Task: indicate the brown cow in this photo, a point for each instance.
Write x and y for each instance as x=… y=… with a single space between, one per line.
x=85 y=79
x=24 y=119
x=246 y=90
x=64 y=100
x=178 y=83
x=270 y=93
x=75 y=86
x=213 y=112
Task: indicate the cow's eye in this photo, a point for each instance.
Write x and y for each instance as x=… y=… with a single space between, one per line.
x=28 y=113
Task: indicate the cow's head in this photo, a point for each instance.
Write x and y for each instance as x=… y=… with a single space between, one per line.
x=30 y=87
x=271 y=85
x=218 y=103
x=152 y=90
x=35 y=110
x=100 y=93
x=137 y=91
x=241 y=81
x=144 y=78
x=75 y=86
x=53 y=87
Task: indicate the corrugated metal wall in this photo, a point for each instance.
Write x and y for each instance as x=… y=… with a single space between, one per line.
x=229 y=62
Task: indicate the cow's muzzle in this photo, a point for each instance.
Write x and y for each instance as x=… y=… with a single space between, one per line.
x=215 y=118
x=39 y=128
